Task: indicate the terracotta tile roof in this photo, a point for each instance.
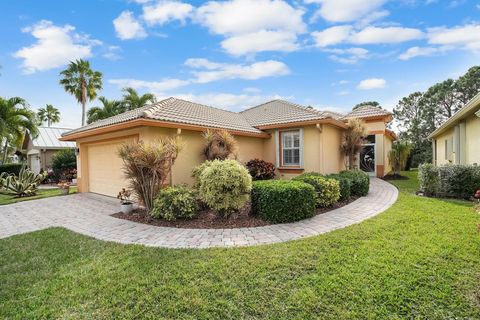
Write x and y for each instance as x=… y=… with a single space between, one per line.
x=367 y=112
x=179 y=111
x=279 y=112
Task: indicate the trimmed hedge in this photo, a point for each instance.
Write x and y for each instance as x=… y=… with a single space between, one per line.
x=360 y=182
x=328 y=190
x=280 y=201
x=345 y=185
x=456 y=181
x=11 y=168
x=175 y=202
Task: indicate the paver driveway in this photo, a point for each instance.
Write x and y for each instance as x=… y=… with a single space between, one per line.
x=89 y=214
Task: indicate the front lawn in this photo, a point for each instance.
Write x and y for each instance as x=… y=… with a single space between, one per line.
x=419 y=259
x=42 y=193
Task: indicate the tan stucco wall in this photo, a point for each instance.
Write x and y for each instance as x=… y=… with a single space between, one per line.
x=375 y=125
x=387 y=146
x=472 y=142
x=441 y=147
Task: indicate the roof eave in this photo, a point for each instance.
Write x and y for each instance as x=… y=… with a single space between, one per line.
x=153 y=123
x=329 y=121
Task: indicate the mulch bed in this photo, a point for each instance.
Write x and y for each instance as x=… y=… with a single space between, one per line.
x=208 y=219
x=394 y=177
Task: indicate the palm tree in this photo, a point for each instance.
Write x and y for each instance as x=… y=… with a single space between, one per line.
x=82 y=82
x=398 y=156
x=50 y=114
x=352 y=142
x=15 y=118
x=108 y=109
x=133 y=100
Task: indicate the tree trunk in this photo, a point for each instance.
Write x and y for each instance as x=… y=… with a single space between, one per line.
x=5 y=151
x=83 y=113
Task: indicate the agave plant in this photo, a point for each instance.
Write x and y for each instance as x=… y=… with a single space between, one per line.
x=25 y=185
x=3 y=176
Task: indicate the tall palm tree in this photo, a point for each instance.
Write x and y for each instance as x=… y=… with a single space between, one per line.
x=133 y=100
x=15 y=118
x=108 y=109
x=82 y=82
x=50 y=114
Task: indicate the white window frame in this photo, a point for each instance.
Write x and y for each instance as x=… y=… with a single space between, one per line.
x=279 y=148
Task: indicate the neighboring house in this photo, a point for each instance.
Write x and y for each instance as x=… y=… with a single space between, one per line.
x=297 y=139
x=41 y=149
x=458 y=139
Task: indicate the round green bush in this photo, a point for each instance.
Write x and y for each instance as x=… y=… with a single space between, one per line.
x=197 y=171
x=360 y=182
x=328 y=190
x=280 y=201
x=225 y=186
x=174 y=202
x=345 y=186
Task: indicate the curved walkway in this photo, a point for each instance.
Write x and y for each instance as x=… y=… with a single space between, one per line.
x=89 y=214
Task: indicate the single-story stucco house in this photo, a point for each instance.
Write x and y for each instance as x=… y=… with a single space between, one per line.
x=457 y=141
x=41 y=149
x=293 y=137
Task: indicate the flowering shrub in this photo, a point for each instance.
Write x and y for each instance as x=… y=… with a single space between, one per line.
x=260 y=169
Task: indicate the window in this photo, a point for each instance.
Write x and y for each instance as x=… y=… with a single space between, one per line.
x=290 y=148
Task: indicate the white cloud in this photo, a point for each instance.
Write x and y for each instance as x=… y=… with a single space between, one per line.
x=259 y=41
x=332 y=36
x=369 y=35
x=153 y=86
x=166 y=11
x=348 y=56
x=463 y=37
x=247 y=16
x=372 y=35
x=252 y=26
x=345 y=10
x=419 y=52
x=218 y=71
x=127 y=27
x=112 y=53
x=55 y=47
x=372 y=83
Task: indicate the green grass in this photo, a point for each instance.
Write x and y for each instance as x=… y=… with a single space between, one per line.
x=42 y=193
x=419 y=259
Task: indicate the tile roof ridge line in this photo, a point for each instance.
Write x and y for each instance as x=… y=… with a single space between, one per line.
x=203 y=105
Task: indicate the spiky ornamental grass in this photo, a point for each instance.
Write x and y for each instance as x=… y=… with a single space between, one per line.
x=148 y=165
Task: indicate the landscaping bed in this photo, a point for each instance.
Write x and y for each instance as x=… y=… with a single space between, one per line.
x=208 y=219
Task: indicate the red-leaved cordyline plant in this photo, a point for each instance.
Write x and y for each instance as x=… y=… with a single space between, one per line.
x=148 y=166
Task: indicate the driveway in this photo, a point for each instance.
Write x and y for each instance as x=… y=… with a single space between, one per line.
x=89 y=214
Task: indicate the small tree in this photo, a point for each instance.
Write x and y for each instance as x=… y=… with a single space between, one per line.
x=352 y=142
x=148 y=165
x=219 y=145
x=398 y=156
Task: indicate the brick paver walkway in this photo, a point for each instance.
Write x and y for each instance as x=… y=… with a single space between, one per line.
x=89 y=214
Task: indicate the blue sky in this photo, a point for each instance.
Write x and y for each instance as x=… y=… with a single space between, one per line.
x=330 y=54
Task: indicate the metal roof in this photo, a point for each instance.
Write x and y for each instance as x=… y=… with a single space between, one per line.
x=48 y=139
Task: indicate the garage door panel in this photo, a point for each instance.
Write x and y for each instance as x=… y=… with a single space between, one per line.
x=105 y=168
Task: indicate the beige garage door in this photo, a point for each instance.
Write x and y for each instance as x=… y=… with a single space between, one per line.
x=105 y=168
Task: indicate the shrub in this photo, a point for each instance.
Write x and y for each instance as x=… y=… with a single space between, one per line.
x=261 y=170
x=175 y=202
x=225 y=186
x=147 y=166
x=219 y=145
x=345 y=185
x=459 y=181
x=429 y=179
x=280 y=201
x=327 y=190
x=11 y=168
x=64 y=160
x=197 y=171
x=23 y=185
x=360 y=182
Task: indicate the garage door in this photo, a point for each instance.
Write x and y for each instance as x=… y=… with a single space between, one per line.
x=105 y=168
